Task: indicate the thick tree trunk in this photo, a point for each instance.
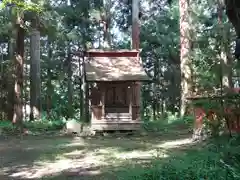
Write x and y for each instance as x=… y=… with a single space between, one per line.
x=154 y=89
x=35 y=76
x=18 y=84
x=185 y=66
x=233 y=11
x=10 y=83
x=135 y=45
x=225 y=49
x=135 y=24
x=107 y=22
x=49 y=81
x=70 y=85
x=83 y=92
x=226 y=64
x=2 y=87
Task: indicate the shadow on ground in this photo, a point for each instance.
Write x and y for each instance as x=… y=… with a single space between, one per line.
x=141 y=157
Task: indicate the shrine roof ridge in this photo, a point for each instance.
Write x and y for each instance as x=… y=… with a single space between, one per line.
x=112 y=50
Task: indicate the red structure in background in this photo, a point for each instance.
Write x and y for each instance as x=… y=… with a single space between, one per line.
x=233 y=118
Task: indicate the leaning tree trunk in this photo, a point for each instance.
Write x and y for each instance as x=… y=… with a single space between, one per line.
x=18 y=81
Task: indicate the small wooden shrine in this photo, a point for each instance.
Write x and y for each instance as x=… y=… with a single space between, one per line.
x=113 y=78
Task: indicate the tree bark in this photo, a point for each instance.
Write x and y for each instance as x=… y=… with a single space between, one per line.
x=135 y=45
x=35 y=76
x=49 y=80
x=225 y=50
x=2 y=88
x=185 y=66
x=135 y=24
x=18 y=64
x=83 y=92
x=10 y=83
x=107 y=22
x=232 y=11
x=70 y=85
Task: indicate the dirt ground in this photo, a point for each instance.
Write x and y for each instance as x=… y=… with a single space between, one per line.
x=54 y=157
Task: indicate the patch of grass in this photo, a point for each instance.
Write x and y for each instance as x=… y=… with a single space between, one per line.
x=168 y=124
x=55 y=153
x=212 y=161
x=45 y=125
x=215 y=159
x=136 y=158
x=7 y=128
x=34 y=126
x=209 y=161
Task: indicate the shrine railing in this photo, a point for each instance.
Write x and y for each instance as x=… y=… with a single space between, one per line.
x=218 y=110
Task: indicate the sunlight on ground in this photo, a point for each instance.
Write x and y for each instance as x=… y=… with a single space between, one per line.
x=136 y=154
x=175 y=144
x=89 y=160
x=41 y=169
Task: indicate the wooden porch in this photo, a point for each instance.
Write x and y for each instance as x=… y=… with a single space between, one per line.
x=105 y=125
x=109 y=116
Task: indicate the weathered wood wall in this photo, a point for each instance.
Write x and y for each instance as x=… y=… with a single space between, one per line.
x=120 y=98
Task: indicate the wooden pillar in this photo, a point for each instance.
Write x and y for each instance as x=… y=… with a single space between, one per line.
x=130 y=100
x=87 y=103
x=103 y=100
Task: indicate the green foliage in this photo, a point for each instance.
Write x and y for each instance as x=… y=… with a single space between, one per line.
x=21 y=5
x=36 y=126
x=45 y=125
x=6 y=127
x=168 y=124
x=70 y=26
x=219 y=111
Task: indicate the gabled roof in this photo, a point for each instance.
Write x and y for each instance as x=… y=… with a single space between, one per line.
x=114 y=66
